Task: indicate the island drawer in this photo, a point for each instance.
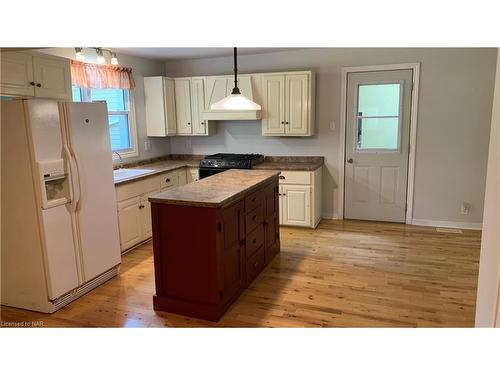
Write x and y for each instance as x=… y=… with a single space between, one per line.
x=254 y=218
x=253 y=200
x=255 y=264
x=254 y=240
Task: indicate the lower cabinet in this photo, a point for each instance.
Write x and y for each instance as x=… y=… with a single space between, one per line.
x=205 y=257
x=134 y=208
x=192 y=174
x=300 y=198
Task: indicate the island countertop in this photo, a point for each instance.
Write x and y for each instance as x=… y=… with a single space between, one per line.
x=216 y=190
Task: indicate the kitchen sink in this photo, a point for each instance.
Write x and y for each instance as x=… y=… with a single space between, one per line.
x=124 y=173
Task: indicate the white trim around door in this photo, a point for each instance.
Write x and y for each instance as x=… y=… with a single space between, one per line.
x=413 y=130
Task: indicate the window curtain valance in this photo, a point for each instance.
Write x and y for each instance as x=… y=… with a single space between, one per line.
x=94 y=76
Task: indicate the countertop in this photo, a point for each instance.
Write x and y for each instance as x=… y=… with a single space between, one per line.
x=273 y=163
x=159 y=167
x=216 y=190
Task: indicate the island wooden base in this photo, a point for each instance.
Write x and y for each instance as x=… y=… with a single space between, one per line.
x=204 y=257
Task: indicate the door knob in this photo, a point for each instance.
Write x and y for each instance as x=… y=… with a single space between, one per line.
x=350 y=161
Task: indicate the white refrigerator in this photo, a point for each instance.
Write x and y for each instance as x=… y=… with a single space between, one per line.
x=59 y=226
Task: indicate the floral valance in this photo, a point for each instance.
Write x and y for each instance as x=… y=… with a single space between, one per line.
x=101 y=76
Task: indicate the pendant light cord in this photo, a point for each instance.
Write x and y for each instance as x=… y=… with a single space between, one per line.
x=236 y=90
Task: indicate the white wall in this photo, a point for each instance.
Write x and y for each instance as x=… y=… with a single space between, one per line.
x=488 y=302
x=454 y=117
x=140 y=68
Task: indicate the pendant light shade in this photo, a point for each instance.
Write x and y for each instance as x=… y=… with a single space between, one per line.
x=235 y=101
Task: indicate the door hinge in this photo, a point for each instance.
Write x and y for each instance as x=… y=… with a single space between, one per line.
x=221 y=295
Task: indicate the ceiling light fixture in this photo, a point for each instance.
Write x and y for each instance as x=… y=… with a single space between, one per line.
x=100 y=56
x=235 y=101
x=79 y=54
x=114 y=60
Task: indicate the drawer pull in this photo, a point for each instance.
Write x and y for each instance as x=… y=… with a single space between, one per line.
x=167 y=180
x=282 y=177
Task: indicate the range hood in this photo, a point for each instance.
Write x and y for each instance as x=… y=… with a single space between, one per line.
x=219 y=87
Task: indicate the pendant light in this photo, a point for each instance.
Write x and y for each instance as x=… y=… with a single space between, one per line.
x=236 y=101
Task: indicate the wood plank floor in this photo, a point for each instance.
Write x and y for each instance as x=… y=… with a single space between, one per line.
x=343 y=274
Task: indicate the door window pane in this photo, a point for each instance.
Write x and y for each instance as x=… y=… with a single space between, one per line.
x=378 y=133
x=113 y=97
x=119 y=132
x=379 y=99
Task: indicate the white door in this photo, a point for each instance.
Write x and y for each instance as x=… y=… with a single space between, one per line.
x=273 y=104
x=296 y=105
x=198 y=105
x=130 y=219
x=296 y=205
x=377 y=145
x=52 y=78
x=88 y=132
x=145 y=207
x=16 y=74
x=183 y=106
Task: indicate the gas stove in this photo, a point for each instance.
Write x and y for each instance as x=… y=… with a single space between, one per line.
x=217 y=163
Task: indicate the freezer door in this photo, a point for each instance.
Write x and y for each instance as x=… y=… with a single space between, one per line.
x=59 y=244
x=96 y=213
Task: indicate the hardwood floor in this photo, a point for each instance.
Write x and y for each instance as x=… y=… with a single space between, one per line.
x=343 y=274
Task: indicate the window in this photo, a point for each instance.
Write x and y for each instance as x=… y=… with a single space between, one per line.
x=378 y=117
x=121 y=121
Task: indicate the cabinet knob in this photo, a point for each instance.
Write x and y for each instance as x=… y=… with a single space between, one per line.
x=189 y=123
x=282 y=177
x=282 y=122
x=32 y=83
x=167 y=180
x=141 y=206
x=38 y=85
x=203 y=122
x=286 y=122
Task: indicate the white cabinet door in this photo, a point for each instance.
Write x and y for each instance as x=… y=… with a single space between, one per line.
x=281 y=203
x=130 y=222
x=52 y=78
x=273 y=104
x=198 y=106
x=145 y=208
x=296 y=205
x=192 y=175
x=183 y=106
x=16 y=74
x=296 y=104
x=159 y=95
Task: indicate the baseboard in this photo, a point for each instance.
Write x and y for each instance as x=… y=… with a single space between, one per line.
x=447 y=224
x=327 y=215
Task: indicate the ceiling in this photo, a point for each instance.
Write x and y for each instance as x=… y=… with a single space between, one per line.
x=162 y=53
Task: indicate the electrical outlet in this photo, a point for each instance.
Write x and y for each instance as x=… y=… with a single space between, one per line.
x=147 y=145
x=465 y=208
x=332 y=125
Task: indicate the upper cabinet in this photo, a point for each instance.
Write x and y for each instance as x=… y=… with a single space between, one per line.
x=189 y=104
x=160 y=106
x=35 y=75
x=288 y=104
x=287 y=101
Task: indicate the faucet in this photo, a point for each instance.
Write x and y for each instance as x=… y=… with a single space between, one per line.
x=121 y=160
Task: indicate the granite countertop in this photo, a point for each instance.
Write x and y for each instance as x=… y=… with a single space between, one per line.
x=291 y=163
x=216 y=190
x=158 y=166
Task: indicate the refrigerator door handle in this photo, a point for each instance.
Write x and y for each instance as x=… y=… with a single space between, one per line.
x=78 y=169
x=75 y=185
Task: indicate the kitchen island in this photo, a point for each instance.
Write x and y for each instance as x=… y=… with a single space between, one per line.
x=211 y=239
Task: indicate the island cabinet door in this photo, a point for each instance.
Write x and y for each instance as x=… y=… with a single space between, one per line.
x=233 y=251
x=271 y=221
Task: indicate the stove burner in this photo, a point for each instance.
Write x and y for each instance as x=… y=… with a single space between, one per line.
x=216 y=163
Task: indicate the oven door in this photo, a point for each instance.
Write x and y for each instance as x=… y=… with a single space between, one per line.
x=205 y=172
